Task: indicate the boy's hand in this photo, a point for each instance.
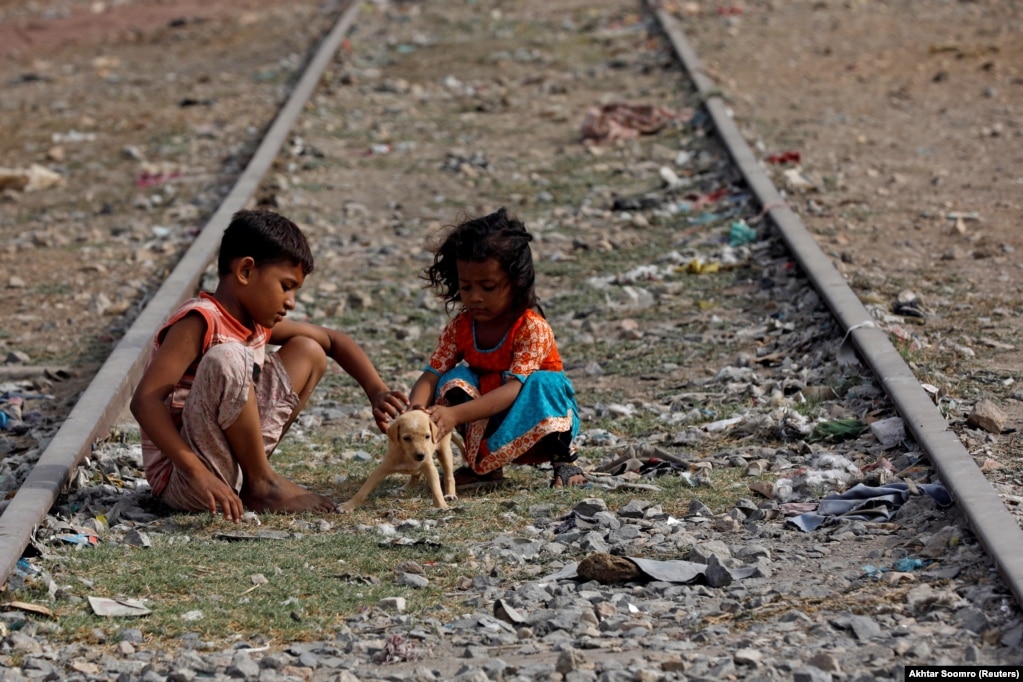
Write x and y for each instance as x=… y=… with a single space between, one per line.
x=386 y=406
x=444 y=418
x=218 y=495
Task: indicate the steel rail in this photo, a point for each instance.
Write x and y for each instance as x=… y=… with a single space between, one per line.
x=109 y=392
x=997 y=530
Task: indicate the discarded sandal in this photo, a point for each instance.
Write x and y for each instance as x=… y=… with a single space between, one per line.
x=564 y=472
x=467 y=479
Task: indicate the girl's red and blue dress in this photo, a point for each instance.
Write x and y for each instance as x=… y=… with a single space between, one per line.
x=528 y=353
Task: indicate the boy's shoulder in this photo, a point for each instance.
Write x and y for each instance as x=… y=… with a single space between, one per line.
x=204 y=306
x=204 y=302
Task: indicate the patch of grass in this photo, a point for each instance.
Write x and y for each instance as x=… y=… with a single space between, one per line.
x=204 y=584
x=201 y=577
x=52 y=289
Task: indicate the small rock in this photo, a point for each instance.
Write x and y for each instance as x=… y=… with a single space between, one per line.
x=607 y=568
x=987 y=416
x=393 y=604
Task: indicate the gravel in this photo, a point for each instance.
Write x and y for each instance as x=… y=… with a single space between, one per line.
x=748 y=375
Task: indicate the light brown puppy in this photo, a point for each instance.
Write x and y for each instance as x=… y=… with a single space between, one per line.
x=411 y=444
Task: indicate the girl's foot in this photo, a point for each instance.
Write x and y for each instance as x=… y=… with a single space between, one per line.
x=567 y=475
x=467 y=479
x=281 y=495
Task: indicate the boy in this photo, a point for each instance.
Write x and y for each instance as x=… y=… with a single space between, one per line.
x=212 y=403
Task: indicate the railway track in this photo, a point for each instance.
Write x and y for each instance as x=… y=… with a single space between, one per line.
x=104 y=400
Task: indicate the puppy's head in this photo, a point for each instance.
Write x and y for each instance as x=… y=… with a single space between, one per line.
x=412 y=435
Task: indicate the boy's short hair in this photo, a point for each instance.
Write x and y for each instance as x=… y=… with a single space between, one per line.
x=267 y=238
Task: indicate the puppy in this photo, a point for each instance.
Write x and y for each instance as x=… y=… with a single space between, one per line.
x=411 y=444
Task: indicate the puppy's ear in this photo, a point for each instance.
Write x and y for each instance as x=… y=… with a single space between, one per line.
x=433 y=431
x=394 y=431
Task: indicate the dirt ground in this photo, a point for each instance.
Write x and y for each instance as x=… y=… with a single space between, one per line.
x=907 y=118
x=903 y=117
x=116 y=100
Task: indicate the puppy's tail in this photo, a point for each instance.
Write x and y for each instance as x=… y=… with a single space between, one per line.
x=456 y=438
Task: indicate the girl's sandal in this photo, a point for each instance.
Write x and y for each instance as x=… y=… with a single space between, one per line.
x=564 y=472
x=467 y=479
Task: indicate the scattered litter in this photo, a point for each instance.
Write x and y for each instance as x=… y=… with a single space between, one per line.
x=85 y=539
x=698 y=266
x=740 y=233
x=785 y=157
x=907 y=564
x=963 y=215
x=377 y=150
x=148 y=178
x=261 y=535
x=671 y=180
x=867 y=503
x=669 y=571
x=72 y=136
x=837 y=430
x=795 y=179
x=619 y=121
x=398 y=649
x=30 y=608
x=911 y=309
x=31 y=179
x=903 y=565
x=103 y=606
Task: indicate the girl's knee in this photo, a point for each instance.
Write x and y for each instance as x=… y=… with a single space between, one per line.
x=455 y=396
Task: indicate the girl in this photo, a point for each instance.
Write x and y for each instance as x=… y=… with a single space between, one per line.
x=496 y=374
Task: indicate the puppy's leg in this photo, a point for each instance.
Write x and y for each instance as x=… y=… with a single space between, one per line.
x=447 y=463
x=430 y=471
x=380 y=473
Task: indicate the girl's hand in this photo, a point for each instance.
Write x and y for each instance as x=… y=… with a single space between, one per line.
x=386 y=406
x=444 y=418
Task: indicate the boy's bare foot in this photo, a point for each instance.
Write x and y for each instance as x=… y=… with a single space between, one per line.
x=283 y=496
x=567 y=476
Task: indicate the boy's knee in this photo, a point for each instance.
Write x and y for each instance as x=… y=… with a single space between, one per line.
x=313 y=351
x=304 y=359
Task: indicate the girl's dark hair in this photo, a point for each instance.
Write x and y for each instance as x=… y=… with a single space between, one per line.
x=265 y=236
x=496 y=236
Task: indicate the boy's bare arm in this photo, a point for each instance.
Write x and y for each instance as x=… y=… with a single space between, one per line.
x=341 y=348
x=181 y=346
x=421 y=395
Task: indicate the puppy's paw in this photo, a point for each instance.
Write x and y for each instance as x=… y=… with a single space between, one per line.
x=452 y=497
x=346 y=508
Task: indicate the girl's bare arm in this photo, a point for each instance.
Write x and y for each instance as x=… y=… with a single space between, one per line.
x=498 y=400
